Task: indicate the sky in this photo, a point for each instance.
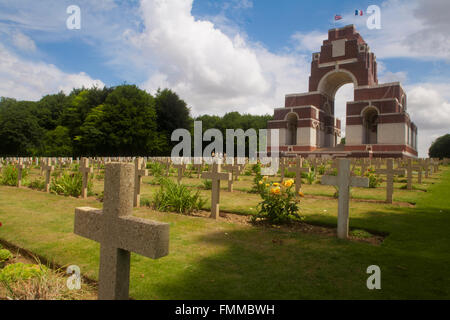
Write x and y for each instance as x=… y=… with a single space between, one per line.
x=222 y=55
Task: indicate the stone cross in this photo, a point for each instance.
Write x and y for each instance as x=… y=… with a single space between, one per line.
x=138 y=174
x=419 y=168
x=119 y=233
x=283 y=163
x=48 y=168
x=199 y=168
x=216 y=175
x=344 y=181
x=233 y=169
x=364 y=165
x=298 y=169
x=435 y=164
x=390 y=172
x=409 y=171
x=19 y=167
x=85 y=170
x=426 y=166
x=181 y=169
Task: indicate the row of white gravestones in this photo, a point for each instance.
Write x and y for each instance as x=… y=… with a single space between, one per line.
x=119 y=233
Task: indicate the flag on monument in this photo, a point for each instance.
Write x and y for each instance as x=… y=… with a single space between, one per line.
x=359 y=12
x=337 y=17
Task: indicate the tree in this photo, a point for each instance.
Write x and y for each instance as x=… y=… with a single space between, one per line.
x=440 y=148
x=124 y=125
x=20 y=133
x=57 y=143
x=172 y=113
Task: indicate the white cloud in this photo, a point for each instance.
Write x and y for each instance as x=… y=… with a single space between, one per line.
x=414 y=29
x=212 y=71
x=309 y=41
x=429 y=108
x=23 y=42
x=27 y=80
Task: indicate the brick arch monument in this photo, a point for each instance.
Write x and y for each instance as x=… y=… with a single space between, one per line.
x=377 y=122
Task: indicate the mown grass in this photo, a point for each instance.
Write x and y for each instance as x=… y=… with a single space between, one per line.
x=219 y=260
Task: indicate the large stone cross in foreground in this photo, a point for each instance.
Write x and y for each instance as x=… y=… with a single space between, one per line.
x=344 y=181
x=119 y=233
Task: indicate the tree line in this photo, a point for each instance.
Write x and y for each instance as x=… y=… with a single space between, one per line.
x=112 y=121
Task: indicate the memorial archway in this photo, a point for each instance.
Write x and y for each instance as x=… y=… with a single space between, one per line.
x=346 y=58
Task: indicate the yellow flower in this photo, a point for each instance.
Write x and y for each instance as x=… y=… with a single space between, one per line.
x=276 y=184
x=265 y=178
x=275 y=190
x=288 y=183
x=267 y=184
x=301 y=194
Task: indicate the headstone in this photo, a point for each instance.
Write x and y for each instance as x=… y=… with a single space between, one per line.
x=181 y=169
x=19 y=168
x=409 y=171
x=390 y=172
x=283 y=164
x=344 y=181
x=426 y=166
x=48 y=168
x=233 y=169
x=298 y=169
x=215 y=175
x=418 y=167
x=86 y=171
x=119 y=233
x=139 y=172
x=364 y=166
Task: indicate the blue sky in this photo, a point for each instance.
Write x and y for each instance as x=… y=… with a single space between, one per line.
x=221 y=56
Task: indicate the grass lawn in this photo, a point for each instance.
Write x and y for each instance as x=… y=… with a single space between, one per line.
x=220 y=260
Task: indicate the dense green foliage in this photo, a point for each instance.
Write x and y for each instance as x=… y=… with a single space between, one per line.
x=116 y=121
x=177 y=198
x=9 y=175
x=440 y=148
x=21 y=271
x=70 y=184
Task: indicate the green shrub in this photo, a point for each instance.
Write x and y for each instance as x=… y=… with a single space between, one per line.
x=256 y=168
x=145 y=202
x=69 y=184
x=155 y=169
x=360 y=233
x=207 y=184
x=9 y=175
x=75 y=167
x=279 y=203
x=5 y=255
x=289 y=174
x=20 y=271
x=258 y=184
x=321 y=169
x=310 y=176
x=374 y=179
x=38 y=184
x=177 y=198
